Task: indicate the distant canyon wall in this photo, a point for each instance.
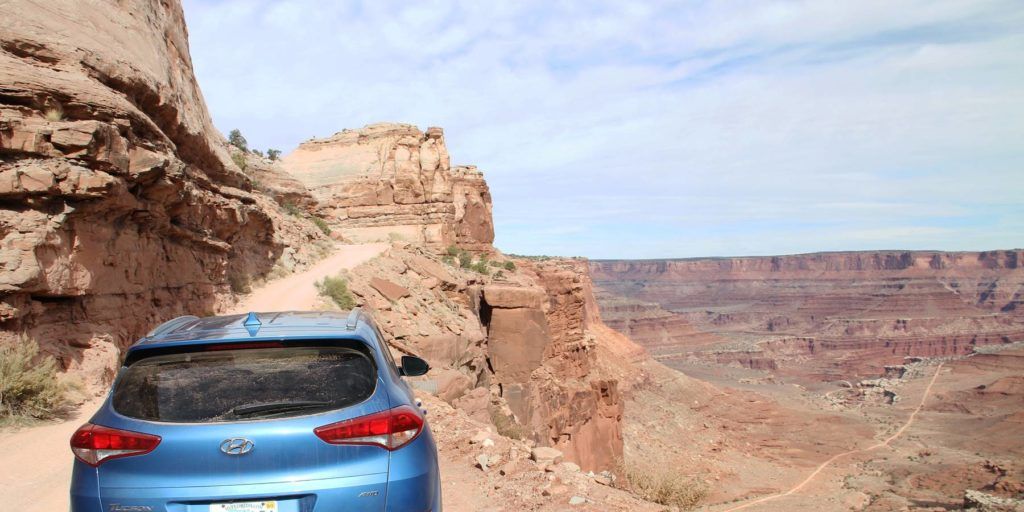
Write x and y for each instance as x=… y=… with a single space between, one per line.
x=860 y=310
x=391 y=181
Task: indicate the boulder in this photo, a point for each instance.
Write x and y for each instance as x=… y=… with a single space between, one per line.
x=546 y=455
x=388 y=289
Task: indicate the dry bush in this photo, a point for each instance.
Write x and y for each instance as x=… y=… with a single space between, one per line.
x=663 y=485
x=239 y=160
x=292 y=209
x=336 y=289
x=28 y=384
x=322 y=224
x=506 y=425
x=239 y=282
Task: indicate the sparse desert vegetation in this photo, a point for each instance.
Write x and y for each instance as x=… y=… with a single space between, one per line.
x=239 y=282
x=336 y=289
x=662 y=485
x=322 y=224
x=29 y=388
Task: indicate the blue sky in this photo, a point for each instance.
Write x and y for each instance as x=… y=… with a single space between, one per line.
x=662 y=129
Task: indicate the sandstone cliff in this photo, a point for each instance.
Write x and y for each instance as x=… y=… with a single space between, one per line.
x=515 y=348
x=393 y=182
x=120 y=204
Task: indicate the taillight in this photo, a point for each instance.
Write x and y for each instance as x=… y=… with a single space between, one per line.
x=391 y=429
x=95 y=444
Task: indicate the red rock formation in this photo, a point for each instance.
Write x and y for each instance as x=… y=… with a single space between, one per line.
x=861 y=310
x=392 y=181
x=121 y=206
x=521 y=346
x=542 y=351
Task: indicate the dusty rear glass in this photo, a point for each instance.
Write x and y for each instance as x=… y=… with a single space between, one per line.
x=245 y=384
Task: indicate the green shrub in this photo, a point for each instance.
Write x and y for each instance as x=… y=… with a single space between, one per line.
x=292 y=209
x=452 y=251
x=663 y=485
x=235 y=139
x=239 y=282
x=273 y=154
x=481 y=267
x=510 y=266
x=336 y=289
x=465 y=259
x=506 y=425
x=322 y=224
x=448 y=259
x=28 y=384
x=257 y=153
x=239 y=160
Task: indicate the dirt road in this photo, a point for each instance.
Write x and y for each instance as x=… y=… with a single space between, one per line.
x=35 y=463
x=296 y=292
x=795 y=489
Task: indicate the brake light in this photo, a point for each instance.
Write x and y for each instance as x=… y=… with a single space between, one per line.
x=95 y=444
x=391 y=429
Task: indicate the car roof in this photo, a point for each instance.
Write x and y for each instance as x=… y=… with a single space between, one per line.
x=283 y=325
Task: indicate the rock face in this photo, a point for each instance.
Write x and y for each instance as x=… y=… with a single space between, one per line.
x=516 y=351
x=394 y=182
x=121 y=206
x=542 y=353
x=847 y=313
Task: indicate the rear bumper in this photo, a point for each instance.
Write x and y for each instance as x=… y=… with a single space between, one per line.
x=366 y=492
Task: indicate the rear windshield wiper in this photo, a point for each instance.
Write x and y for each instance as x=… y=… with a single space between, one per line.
x=276 y=407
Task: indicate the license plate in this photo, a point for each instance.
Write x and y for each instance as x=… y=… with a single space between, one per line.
x=245 y=506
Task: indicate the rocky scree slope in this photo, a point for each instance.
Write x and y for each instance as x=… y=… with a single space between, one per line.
x=514 y=350
x=119 y=204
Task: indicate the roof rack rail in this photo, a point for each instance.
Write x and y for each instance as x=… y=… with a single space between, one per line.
x=171 y=324
x=353 y=319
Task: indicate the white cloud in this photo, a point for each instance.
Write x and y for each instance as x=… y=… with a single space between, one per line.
x=683 y=128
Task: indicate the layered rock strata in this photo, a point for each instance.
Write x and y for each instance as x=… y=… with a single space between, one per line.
x=119 y=204
x=394 y=182
x=841 y=312
x=516 y=350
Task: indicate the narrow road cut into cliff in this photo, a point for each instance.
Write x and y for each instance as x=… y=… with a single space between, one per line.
x=35 y=463
x=297 y=291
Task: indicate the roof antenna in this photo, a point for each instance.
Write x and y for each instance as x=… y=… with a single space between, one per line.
x=252 y=323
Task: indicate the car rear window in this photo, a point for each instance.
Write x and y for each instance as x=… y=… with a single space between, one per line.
x=244 y=384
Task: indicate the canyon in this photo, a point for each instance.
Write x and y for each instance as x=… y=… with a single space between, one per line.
x=826 y=316
x=121 y=206
x=857 y=334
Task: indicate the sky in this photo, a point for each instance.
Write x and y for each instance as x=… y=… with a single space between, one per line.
x=661 y=129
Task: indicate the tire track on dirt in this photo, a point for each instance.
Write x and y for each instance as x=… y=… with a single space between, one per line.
x=823 y=465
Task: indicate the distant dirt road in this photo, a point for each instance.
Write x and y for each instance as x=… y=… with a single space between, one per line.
x=296 y=292
x=35 y=463
x=796 y=488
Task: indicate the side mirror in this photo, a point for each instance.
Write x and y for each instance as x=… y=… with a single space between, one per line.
x=413 y=366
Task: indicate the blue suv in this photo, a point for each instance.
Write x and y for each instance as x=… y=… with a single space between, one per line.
x=269 y=412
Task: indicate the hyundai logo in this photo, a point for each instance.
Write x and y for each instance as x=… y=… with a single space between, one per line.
x=237 y=446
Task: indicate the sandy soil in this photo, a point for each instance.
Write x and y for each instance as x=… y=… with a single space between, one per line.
x=810 y=478
x=296 y=292
x=35 y=463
